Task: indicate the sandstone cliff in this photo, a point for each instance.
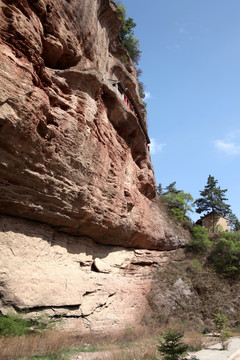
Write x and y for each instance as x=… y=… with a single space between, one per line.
x=73 y=154
x=74 y=166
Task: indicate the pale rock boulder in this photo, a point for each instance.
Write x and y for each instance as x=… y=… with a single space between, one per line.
x=101 y=266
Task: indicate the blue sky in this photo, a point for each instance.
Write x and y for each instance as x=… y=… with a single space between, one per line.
x=191 y=70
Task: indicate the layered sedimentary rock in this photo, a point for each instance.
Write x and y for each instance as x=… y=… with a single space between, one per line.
x=94 y=287
x=72 y=126
x=75 y=171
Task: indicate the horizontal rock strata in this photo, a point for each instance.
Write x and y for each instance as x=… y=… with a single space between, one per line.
x=78 y=201
x=94 y=287
x=73 y=150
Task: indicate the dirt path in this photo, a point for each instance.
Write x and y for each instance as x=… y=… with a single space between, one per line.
x=99 y=355
x=215 y=353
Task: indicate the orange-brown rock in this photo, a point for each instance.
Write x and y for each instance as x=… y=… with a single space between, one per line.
x=72 y=153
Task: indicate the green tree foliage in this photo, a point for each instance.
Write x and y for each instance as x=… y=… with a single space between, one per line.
x=140 y=85
x=234 y=222
x=200 y=242
x=126 y=35
x=224 y=337
x=171 y=188
x=226 y=254
x=159 y=189
x=236 y=225
x=131 y=44
x=220 y=320
x=172 y=347
x=13 y=325
x=177 y=201
x=141 y=89
x=223 y=255
x=212 y=198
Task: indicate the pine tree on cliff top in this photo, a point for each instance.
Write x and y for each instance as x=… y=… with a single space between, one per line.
x=126 y=34
x=213 y=198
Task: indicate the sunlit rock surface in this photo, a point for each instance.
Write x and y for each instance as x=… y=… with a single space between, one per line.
x=73 y=153
x=75 y=170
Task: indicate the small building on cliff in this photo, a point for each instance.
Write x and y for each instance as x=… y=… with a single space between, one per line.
x=214 y=221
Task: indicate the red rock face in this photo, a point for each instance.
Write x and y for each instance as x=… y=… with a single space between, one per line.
x=72 y=153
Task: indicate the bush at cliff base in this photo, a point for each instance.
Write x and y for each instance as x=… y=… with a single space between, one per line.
x=171 y=346
x=200 y=242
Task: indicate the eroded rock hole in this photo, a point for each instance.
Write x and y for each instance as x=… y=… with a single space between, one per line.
x=51 y=120
x=42 y=129
x=94 y=268
x=7 y=12
x=138 y=162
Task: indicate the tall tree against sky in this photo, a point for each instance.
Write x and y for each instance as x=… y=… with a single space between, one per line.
x=126 y=34
x=234 y=222
x=177 y=201
x=213 y=198
x=190 y=58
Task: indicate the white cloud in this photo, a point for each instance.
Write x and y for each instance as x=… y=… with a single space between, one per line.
x=234 y=134
x=147 y=95
x=155 y=147
x=229 y=148
x=231 y=144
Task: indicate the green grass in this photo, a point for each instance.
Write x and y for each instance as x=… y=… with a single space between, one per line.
x=64 y=354
x=14 y=325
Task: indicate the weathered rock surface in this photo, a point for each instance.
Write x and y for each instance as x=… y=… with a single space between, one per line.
x=75 y=172
x=189 y=290
x=72 y=153
x=47 y=272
